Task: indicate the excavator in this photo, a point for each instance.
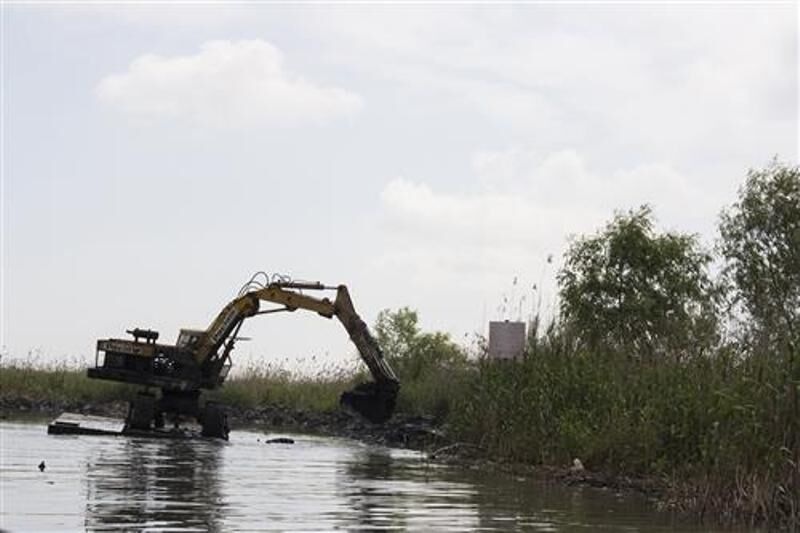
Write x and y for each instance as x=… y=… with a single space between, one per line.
x=201 y=359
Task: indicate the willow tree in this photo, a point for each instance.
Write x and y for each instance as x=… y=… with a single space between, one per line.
x=760 y=242
x=630 y=288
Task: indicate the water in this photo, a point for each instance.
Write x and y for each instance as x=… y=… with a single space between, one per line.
x=105 y=483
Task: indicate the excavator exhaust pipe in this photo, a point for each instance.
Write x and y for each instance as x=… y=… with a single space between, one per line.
x=373 y=401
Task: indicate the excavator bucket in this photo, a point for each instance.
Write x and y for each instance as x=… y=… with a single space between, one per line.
x=373 y=401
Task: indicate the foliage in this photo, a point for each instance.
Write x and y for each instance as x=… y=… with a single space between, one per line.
x=425 y=362
x=32 y=380
x=268 y=384
x=760 y=241
x=396 y=332
x=720 y=427
x=637 y=290
x=410 y=351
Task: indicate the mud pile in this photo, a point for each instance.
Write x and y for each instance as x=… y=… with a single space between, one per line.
x=416 y=432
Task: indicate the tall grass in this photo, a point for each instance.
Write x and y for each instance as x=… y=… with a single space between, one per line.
x=32 y=380
x=267 y=384
x=722 y=431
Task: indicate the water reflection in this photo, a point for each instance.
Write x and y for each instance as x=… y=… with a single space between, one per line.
x=392 y=489
x=109 y=483
x=154 y=483
x=368 y=491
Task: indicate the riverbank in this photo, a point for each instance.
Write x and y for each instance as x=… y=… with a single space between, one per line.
x=317 y=483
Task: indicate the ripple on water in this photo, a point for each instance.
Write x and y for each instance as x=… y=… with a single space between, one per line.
x=100 y=483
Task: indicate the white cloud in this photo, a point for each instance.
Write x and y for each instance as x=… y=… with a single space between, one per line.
x=226 y=84
x=481 y=252
x=695 y=84
x=524 y=207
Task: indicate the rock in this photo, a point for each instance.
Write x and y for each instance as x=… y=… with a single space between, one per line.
x=41 y=466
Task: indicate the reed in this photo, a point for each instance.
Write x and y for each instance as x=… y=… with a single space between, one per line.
x=268 y=384
x=33 y=380
x=720 y=430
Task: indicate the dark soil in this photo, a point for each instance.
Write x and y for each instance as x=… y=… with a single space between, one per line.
x=402 y=431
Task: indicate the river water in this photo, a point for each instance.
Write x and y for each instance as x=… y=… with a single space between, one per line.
x=105 y=483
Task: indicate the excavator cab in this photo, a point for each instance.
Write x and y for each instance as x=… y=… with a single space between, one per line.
x=189 y=338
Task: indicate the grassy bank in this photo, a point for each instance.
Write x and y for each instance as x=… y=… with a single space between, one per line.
x=721 y=432
x=258 y=385
x=62 y=382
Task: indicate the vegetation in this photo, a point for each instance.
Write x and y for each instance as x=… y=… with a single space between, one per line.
x=635 y=376
x=719 y=430
x=30 y=381
x=429 y=365
x=64 y=382
x=633 y=290
x=269 y=385
x=645 y=372
x=760 y=242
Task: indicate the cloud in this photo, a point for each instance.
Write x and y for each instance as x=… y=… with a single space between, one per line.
x=698 y=84
x=522 y=207
x=226 y=84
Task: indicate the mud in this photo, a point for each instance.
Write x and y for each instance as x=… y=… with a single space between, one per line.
x=402 y=431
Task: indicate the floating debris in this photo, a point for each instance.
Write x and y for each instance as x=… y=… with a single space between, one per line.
x=279 y=440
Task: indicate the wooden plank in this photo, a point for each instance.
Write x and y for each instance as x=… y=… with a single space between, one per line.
x=78 y=424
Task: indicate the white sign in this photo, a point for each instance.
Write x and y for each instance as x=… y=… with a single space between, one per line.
x=506 y=339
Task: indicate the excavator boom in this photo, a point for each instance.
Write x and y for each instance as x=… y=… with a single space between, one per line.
x=375 y=401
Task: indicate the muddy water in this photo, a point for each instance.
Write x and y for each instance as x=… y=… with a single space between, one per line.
x=317 y=483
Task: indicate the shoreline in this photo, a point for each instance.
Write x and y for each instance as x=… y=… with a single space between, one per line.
x=418 y=433
x=424 y=434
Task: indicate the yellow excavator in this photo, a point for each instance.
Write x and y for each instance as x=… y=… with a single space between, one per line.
x=201 y=359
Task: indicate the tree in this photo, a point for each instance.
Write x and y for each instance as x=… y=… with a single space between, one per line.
x=411 y=352
x=629 y=287
x=760 y=242
x=396 y=332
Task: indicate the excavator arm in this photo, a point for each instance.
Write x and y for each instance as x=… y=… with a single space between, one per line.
x=375 y=400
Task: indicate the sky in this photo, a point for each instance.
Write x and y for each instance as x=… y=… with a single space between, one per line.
x=434 y=156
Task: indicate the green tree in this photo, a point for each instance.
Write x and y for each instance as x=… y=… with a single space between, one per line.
x=629 y=287
x=411 y=352
x=396 y=332
x=760 y=242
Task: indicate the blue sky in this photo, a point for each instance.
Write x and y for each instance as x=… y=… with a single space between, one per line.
x=154 y=156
